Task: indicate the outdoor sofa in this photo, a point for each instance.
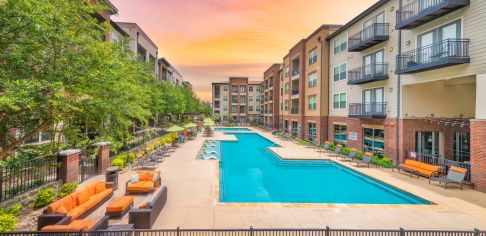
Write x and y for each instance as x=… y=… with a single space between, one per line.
x=146 y=182
x=144 y=216
x=77 y=204
x=66 y=225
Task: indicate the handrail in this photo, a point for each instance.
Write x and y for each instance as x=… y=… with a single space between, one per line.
x=374 y=69
x=370 y=108
x=368 y=33
x=414 y=8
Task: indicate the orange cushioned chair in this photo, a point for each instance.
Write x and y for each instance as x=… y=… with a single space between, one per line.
x=76 y=204
x=146 y=182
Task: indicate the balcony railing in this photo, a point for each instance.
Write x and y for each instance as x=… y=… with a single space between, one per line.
x=372 y=110
x=294 y=111
x=368 y=73
x=444 y=164
x=420 y=12
x=295 y=92
x=369 y=36
x=295 y=72
x=448 y=52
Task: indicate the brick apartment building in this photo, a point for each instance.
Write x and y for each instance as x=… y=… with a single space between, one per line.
x=238 y=100
x=271 y=101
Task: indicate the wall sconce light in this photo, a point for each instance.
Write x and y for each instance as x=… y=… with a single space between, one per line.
x=408 y=43
x=392 y=8
x=390 y=49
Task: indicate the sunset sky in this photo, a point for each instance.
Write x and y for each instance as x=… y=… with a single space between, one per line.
x=210 y=40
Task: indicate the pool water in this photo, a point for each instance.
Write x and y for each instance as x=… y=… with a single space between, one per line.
x=231 y=129
x=249 y=172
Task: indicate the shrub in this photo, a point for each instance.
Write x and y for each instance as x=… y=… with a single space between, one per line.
x=13 y=210
x=345 y=151
x=331 y=147
x=67 y=189
x=7 y=222
x=386 y=162
x=118 y=162
x=44 y=197
x=359 y=155
x=131 y=157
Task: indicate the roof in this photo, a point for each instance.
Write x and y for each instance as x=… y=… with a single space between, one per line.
x=165 y=61
x=363 y=14
x=131 y=24
x=118 y=28
x=324 y=26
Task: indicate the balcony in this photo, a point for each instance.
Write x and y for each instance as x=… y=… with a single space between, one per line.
x=446 y=53
x=295 y=74
x=294 y=111
x=372 y=110
x=368 y=73
x=420 y=12
x=368 y=37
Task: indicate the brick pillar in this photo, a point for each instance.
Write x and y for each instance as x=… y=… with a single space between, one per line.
x=103 y=158
x=69 y=169
x=478 y=154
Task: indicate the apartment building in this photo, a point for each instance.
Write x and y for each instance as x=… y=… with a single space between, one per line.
x=167 y=72
x=304 y=87
x=406 y=78
x=238 y=100
x=271 y=101
x=141 y=44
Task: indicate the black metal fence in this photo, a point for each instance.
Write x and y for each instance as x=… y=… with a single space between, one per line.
x=371 y=70
x=19 y=177
x=368 y=109
x=369 y=33
x=263 y=232
x=415 y=8
x=448 y=48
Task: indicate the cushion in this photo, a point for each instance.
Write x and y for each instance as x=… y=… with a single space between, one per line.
x=82 y=224
x=57 y=228
x=89 y=204
x=100 y=187
x=429 y=167
x=65 y=201
x=155 y=178
x=142 y=186
x=76 y=212
x=120 y=204
x=61 y=209
x=92 y=187
x=134 y=178
x=412 y=163
x=144 y=176
x=458 y=169
x=82 y=198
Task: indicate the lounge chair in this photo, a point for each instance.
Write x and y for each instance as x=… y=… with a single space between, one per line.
x=366 y=160
x=351 y=156
x=336 y=151
x=325 y=147
x=161 y=151
x=154 y=157
x=455 y=175
x=142 y=162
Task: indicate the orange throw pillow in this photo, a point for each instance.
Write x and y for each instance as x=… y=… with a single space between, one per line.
x=82 y=198
x=100 y=187
x=61 y=209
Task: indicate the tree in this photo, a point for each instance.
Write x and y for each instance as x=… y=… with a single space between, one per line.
x=217 y=118
x=56 y=71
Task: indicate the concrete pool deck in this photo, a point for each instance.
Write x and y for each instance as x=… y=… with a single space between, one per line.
x=192 y=199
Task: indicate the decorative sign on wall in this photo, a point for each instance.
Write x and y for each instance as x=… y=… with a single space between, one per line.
x=353 y=136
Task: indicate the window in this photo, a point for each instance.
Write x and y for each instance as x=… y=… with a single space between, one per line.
x=250 y=108
x=286 y=105
x=225 y=107
x=448 y=31
x=281 y=92
x=258 y=109
x=258 y=98
x=234 y=99
x=250 y=88
x=340 y=72
x=313 y=56
x=312 y=102
x=242 y=99
x=373 y=140
x=340 y=134
x=340 y=44
x=225 y=88
x=373 y=63
x=225 y=98
x=311 y=131
x=287 y=70
x=234 y=88
x=312 y=79
x=242 y=109
x=250 y=98
x=339 y=101
x=216 y=104
x=234 y=109
x=287 y=88
x=216 y=91
x=242 y=89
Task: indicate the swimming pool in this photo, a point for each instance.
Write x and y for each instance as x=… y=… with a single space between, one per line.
x=231 y=129
x=249 y=172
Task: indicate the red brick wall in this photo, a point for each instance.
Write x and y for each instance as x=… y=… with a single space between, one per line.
x=478 y=154
x=103 y=157
x=69 y=169
x=320 y=127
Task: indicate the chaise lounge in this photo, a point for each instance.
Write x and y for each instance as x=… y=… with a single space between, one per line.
x=455 y=175
x=76 y=205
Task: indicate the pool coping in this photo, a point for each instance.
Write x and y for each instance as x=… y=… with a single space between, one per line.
x=216 y=197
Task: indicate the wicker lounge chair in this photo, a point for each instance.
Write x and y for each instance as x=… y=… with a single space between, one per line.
x=455 y=175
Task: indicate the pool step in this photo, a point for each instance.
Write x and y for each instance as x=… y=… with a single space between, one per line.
x=296 y=163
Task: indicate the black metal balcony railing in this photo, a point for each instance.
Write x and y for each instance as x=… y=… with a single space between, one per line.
x=295 y=92
x=368 y=73
x=372 y=110
x=420 y=12
x=369 y=36
x=294 y=111
x=295 y=72
x=441 y=54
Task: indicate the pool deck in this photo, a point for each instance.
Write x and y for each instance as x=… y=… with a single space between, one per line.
x=192 y=199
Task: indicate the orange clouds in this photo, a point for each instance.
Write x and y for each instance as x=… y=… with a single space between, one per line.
x=210 y=40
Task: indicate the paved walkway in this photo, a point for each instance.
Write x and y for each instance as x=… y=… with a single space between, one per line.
x=192 y=200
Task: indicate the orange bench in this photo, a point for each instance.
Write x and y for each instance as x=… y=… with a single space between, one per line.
x=420 y=168
x=119 y=206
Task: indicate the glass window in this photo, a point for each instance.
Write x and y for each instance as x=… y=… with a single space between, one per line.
x=374 y=141
x=242 y=99
x=312 y=56
x=287 y=88
x=340 y=72
x=225 y=98
x=250 y=98
x=225 y=88
x=242 y=109
x=242 y=89
x=234 y=88
x=225 y=107
x=250 y=108
x=311 y=131
x=286 y=105
x=250 y=88
x=312 y=102
x=339 y=101
x=234 y=109
x=312 y=79
x=287 y=70
x=340 y=43
x=234 y=99
x=340 y=134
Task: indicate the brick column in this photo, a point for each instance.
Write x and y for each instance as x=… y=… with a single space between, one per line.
x=103 y=156
x=478 y=154
x=69 y=169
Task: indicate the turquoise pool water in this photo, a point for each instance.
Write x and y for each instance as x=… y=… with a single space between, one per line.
x=249 y=172
x=231 y=129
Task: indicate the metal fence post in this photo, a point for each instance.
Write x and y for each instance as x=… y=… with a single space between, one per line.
x=476 y=232
x=178 y=231
x=402 y=232
x=328 y=230
x=251 y=230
